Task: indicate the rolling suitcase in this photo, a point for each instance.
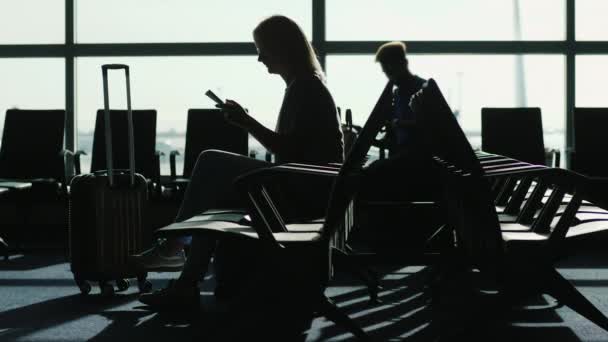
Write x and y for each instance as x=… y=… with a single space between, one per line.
x=106 y=215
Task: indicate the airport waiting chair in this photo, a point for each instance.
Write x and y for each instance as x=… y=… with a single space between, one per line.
x=516 y=133
x=513 y=132
x=206 y=129
x=32 y=147
x=33 y=168
x=305 y=247
x=147 y=158
x=532 y=193
x=509 y=193
x=519 y=263
x=590 y=156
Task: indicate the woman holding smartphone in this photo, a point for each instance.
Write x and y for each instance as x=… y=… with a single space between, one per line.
x=307 y=131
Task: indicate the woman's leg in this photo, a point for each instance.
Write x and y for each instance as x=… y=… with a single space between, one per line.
x=211 y=183
x=197 y=264
x=211 y=186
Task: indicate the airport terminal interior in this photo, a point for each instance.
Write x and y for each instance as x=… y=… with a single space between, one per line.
x=312 y=170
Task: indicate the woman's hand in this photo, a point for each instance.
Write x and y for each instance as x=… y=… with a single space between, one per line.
x=236 y=114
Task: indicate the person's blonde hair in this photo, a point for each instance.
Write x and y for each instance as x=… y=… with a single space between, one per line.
x=285 y=39
x=391 y=53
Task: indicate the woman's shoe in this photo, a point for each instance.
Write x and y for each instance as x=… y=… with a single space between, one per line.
x=159 y=259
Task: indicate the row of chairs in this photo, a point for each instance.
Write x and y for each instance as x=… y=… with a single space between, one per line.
x=518 y=133
x=497 y=136
x=32 y=166
x=33 y=140
x=520 y=262
x=518 y=249
x=37 y=157
x=35 y=168
x=206 y=129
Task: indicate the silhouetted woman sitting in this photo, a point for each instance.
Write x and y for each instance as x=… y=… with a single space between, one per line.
x=308 y=131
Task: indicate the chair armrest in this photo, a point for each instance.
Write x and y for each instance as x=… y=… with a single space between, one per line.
x=570 y=181
x=263 y=211
x=515 y=170
x=557 y=158
x=555 y=155
x=172 y=157
x=77 y=155
x=570 y=155
x=530 y=170
x=263 y=175
x=63 y=154
x=330 y=166
x=156 y=178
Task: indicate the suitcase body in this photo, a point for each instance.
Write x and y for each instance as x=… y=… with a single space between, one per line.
x=107 y=213
x=106 y=227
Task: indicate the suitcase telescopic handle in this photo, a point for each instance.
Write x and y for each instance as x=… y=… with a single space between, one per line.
x=108 y=130
x=106 y=67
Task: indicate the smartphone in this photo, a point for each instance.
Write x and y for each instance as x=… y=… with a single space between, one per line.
x=214 y=97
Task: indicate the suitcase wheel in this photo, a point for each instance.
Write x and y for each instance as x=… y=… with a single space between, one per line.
x=122 y=284
x=85 y=287
x=106 y=288
x=144 y=286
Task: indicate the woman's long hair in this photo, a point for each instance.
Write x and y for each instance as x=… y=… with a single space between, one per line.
x=286 y=40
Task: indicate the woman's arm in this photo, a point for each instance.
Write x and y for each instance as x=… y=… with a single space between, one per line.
x=271 y=140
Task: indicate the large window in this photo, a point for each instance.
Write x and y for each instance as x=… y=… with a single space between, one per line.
x=172 y=85
x=32 y=22
x=482 y=53
x=446 y=20
x=31 y=83
x=469 y=82
x=162 y=21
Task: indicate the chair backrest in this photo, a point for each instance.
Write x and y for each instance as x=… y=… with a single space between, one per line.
x=207 y=129
x=31 y=144
x=471 y=211
x=440 y=133
x=590 y=144
x=513 y=132
x=144 y=130
x=343 y=190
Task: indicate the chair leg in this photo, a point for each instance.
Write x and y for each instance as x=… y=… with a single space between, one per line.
x=366 y=275
x=562 y=290
x=3 y=249
x=334 y=314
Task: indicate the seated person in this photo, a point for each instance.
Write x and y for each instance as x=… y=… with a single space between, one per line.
x=400 y=130
x=308 y=131
x=405 y=176
x=400 y=138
